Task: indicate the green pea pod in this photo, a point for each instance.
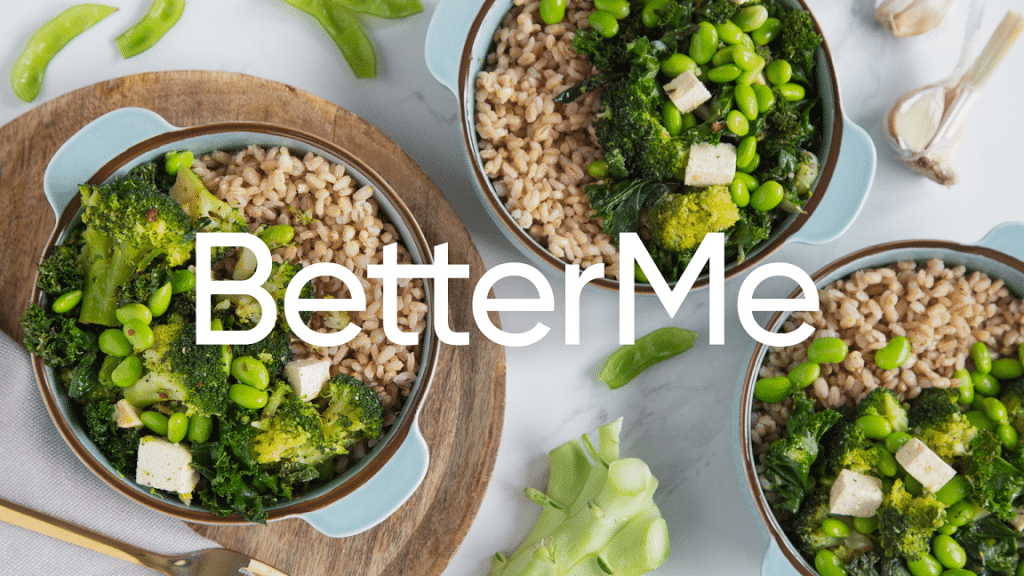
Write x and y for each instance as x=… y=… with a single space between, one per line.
x=46 y=41
x=629 y=361
x=342 y=26
x=161 y=17
x=383 y=8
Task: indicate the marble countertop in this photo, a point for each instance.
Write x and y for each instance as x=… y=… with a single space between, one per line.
x=677 y=414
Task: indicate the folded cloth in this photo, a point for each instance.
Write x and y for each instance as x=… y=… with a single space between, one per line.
x=39 y=470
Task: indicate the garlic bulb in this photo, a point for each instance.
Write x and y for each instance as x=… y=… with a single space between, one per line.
x=911 y=17
x=926 y=125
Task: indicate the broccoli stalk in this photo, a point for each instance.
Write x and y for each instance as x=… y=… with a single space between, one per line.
x=598 y=517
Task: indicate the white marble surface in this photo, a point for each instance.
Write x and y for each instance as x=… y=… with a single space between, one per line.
x=678 y=413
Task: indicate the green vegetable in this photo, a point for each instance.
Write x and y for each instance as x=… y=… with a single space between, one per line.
x=155 y=421
x=804 y=374
x=766 y=32
x=893 y=354
x=344 y=29
x=767 y=196
x=630 y=360
x=127 y=372
x=113 y=342
x=158 y=20
x=828 y=564
x=778 y=72
x=937 y=421
x=751 y=18
x=182 y=281
x=789 y=459
x=177 y=427
x=134 y=312
x=383 y=8
x=885 y=403
x=199 y=429
x=250 y=371
x=62 y=272
x=948 y=552
x=273 y=352
x=619 y=9
x=906 y=522
x=1007 y=368
x=771 y=390
x=927 y=565
x=810 y=532
x=676 y=64
x=66 y=302
x=119 y=445
x=827 y=350
x=982 y=357
x=552 y=11
x=139 y=334
x=704 y=43
x=985 y=384
x=247 y=396
x=598 y=517
x=874 y=427
x=679 y=222
x=30 y=66
x=277 y=235
x=160 y=301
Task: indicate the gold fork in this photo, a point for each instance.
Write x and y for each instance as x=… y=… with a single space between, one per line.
x=211 y=562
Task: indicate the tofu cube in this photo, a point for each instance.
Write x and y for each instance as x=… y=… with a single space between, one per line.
x=855 y=494
x=127 y=416
x=307 y=376
x=687 y=92
x=709 y=165
x=924 y=465
x=165 y=466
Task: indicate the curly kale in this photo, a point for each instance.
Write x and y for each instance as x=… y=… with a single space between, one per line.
x=995 y=484
x=789 y=460
x=119 y=445
x=142 y=285
x=990 y=545
x=274 y=351
x=62 y=270
x=56 y=338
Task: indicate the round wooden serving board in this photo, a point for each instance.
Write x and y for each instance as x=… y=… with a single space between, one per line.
x=462 y=416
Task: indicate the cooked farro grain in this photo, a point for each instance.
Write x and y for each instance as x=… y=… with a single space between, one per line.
x=336 y=220
x=533 y=151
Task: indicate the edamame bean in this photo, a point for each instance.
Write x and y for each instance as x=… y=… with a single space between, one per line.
x=778 y=72
x=671 y=118
x=748 y=180
x=739 y=193
x=893 y=354
x=751 y=18
x=1008 y=436
x=704 y=43
x=737 y=123
x=887 y=463
x=926 y=565
x=127 y=372
x=651 y=13
x=979 y=420
x=745 y=150
x=155 y=421
x=617 y=8
x=804 y=374
x=138 y=334
x=765 y=97
x=66 y=302
x=177 y=427
x=729 y=32
x=874 y=427
x=552 y=11
x=791 y=91
x=953 y=491
x=598 y=169
x=965 y=391
x=113 y=342
x=247 y=397
x=948 y=552
x=960 y=513
x=946 y=529
x=746 y=102
x=766 y=32
x=958 y=572
x=865 y=525
x=689 y=120
x=199 y=428
x=828 y=564
x=723 y=56
x=159 y=19
x=676 y=64
x=748 y=168
x=985 y=384
x=996 y=410
x=835 y=528
x=605 y=24
x=896 y=440
x=160 y=300
x=772 y=389
x=251 y=371
x=982 y=357
x=630 y=360
x=766 y=197
x=277 y=235
x=182 y=281
x=107 y=368
x=913 y=485
x=1007 y=368
x=175 y=161
x=827 y=350
x=745 y=58
x=134 y=311
x=724 y=74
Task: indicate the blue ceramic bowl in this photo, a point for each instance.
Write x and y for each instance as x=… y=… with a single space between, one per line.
x=459 y=38
x=1000 y=254
x=374 y=487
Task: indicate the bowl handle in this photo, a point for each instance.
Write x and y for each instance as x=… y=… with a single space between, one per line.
x=1006 y=237
x=381 y=495
x=775 y=562
x=87 y=150
x=446 y=37
x=847 y=191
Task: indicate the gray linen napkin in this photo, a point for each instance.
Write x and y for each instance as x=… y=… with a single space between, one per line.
x=38 y=470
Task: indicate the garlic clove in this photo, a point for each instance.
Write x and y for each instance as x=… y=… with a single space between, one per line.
x=911 y=17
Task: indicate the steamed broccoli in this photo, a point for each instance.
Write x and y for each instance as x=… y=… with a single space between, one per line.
x=56 y=338
x=248 y=310
x=907 y=523
x=289 y=430
x=207 y=212
x=848 y=448
x=680 y=221
x=129 y=223
x=937 y=421
x=143 y=285
x=806 y=530
x=62 y=270
x=789 y=459
x=119 y=445
x=274 y=351
x=353 y=412
x=885 y=403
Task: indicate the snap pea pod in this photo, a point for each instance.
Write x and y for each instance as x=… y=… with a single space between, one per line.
x=384 y=8
x=46 y=41
x=158 y=20
x=343 y=28
x=629 y=361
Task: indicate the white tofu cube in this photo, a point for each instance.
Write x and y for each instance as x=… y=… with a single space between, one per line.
x=165 y=466
x=709 y=165
x=924 y=465
x=307 y=376
x=127 y=416
x=855 y=494
x=686 y=92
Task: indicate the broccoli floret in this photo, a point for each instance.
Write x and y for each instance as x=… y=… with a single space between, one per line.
x=907 y=523
x=848 y=448
x=808 y=535
x=789 y=459
x=142 y=285
x=56 y=338
x=679 y=222
x=209 y=213
x=353 y=411
x=119 y=445
x=274 y=351
x=62 y=270
x=937 y=420
x=885 y=403
x=129 y=223
x=248 y=310
x=994 y=483
x=291 y=431
x=932 y=405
